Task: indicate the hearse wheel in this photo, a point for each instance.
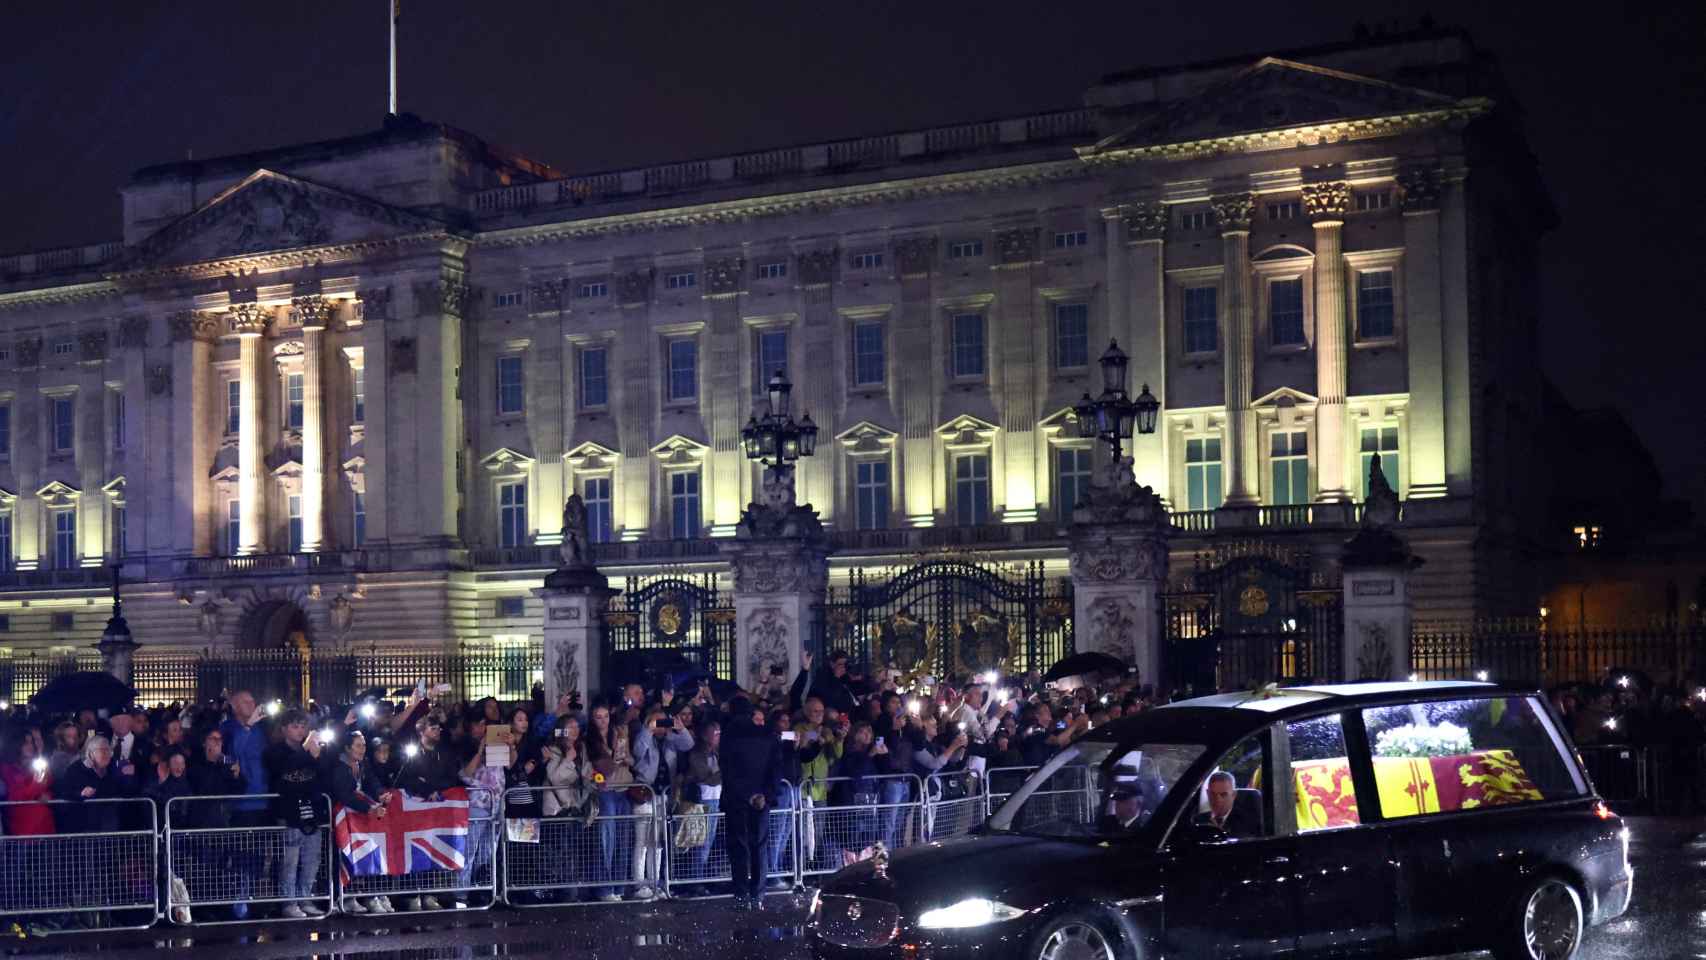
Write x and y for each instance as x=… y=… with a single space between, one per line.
x=1547 y=924
x=1076 y=935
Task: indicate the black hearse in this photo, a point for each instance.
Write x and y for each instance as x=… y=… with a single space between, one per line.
x=1386 y=819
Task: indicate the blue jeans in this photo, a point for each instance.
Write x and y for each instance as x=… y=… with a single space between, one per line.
x=299 y=863
x=615 y=840
x=779 y=829
x=702 y=855
x=892 y=794
x=478 y=851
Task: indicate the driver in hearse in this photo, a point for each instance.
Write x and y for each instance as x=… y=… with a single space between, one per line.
x=1127 y=815
x=1224 y=813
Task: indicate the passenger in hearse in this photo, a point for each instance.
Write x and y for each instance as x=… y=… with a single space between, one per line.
x=1225 y=813
x=1127 y=815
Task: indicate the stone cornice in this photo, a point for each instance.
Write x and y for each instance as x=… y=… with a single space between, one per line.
x=296 y=257
x=57 y=296
x=1287 y=138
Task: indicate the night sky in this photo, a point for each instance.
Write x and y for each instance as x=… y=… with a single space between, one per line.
x=90 y=92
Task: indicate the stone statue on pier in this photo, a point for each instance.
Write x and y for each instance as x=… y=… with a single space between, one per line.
x=575 y=552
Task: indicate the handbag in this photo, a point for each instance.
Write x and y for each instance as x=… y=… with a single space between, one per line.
x=693 y=827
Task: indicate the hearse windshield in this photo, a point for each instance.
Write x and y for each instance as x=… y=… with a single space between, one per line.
x=1096 y=789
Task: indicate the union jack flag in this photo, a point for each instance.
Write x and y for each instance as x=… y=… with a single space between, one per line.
x=413 y=836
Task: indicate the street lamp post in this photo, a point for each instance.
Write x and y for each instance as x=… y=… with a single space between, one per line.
x=775 y=440
x=1112 y=416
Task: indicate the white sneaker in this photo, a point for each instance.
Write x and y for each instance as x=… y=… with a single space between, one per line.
x=293 y=912
x=460 y=905
x=611 y=898
x=431 y=903
x=412 y=904
x=643 y=893
x=353 y=906
x=380 y=905
x=311 y=910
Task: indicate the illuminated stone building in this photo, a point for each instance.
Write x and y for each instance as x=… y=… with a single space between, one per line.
x=342 y=389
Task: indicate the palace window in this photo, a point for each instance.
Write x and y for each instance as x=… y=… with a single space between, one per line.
x=118 y=420
x=592 y=290
x=293 y=401
x=1289 y=462
x=5 y=541
x=1071 y=479
x=293 y=506
x=64 y=539
x=683 y=382
x=512 y=514
x=62 y=411
x=681 y=281
x=64 y=348
x=511 y=608
x=510 y=298
x=965 y=249
x=1202 y=473
x=971 y=489
x=1371 y=201
x=968 y=352
x=1587 y=536
x=359 y=520
x=5 y=431
x=1071 y=335
x=358 y=395
x=1384 y=441
x=595 y=382
x=869 y=363
x=1283 y=210
x=233 y=406
x=871 y=493
x=684 y=504
x=1193 y=220
x=869 y=260
x=512 y=397
x=1285 y=311
x=231 y=532
x=773 y=270
x=1374 y=304
x=120 y=536
x=1202 y=320
x=771 y=348
x=1067 y=239
x=595 y=491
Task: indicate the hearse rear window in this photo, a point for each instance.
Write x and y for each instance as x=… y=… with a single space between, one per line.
x=1454 y=755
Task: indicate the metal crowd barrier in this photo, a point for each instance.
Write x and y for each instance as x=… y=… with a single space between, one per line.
x=210 y=862
x=1620 y=772
x=831 y=833
x=698 y=862
x=99 y=870
x=570 y=858
x=1001 y=783
x=954 y=803
x=479 y=874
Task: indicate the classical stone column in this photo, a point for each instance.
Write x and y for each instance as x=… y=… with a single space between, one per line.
x=1119 y=562
x=185 y=387
x=1377 y=564
x=727 y=399
x=374 y=303
x=1419 y=191
x=1145 y=245
x=249 y=321
x=1242 y=458
x=780 y=557
x=1017 y=334
x=312 y=313
x=1326 y=205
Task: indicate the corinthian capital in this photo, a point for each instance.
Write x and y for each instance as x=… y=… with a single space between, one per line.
x=311 y=313
x=1419 y=187
x=193 y=325
x=1327 y=201
x=248 y=319
x=1233 y=211
x=1146 y=221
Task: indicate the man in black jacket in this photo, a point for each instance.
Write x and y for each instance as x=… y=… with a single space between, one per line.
x=749 y=760
x=293 y=769
x=832 y=686
x=430 y=768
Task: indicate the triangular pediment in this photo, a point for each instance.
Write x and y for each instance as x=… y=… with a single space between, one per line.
x=58 y=492
x=966 y=429
x=680 y=450
x=1274 y=94
x=1062 y=421
x=7 y=497
x=867 y=437
x=506 y=460
x=269 y=212
x=1285 y=397
x=114 y=489
x=591 y=455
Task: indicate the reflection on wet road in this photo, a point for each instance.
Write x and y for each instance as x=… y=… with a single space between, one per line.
x=1667 y=920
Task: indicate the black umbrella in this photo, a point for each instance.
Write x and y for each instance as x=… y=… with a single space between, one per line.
x=1082 y=663
x=84 y=690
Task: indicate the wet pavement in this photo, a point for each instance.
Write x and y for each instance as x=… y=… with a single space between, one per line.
x=1666 y=922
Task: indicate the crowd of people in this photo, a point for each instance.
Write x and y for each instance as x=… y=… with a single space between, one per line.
x=1668 y=722
x=833 y=736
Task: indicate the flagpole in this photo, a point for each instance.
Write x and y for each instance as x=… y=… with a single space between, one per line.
x=391 y=6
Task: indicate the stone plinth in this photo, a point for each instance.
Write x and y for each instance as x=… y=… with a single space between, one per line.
x=1377 y=564
x=780 y=558
x=1119 y=562
x=575 y=600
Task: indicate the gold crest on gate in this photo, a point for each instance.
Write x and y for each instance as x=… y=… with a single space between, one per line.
x=669 y=619
x=1252 y=601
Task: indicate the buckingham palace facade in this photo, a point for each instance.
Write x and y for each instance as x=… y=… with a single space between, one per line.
x=341 y=390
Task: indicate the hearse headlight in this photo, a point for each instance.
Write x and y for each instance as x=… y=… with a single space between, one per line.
x=975 y=912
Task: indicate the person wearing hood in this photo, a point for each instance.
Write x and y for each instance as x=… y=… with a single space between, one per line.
x=750 y=765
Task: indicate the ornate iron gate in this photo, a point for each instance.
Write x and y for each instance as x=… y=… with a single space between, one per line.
x=669 y=618
x=949 y=618
x=1251 y=613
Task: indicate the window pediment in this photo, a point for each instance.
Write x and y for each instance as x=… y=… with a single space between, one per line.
x=58 y=494
x=967 y=431
x=7 y=498
x=114 y=489
x=591 y=455
x=1060 y=425
x=507 y=462
x=679 y=450
x=866 y=437
x=1285 y=397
